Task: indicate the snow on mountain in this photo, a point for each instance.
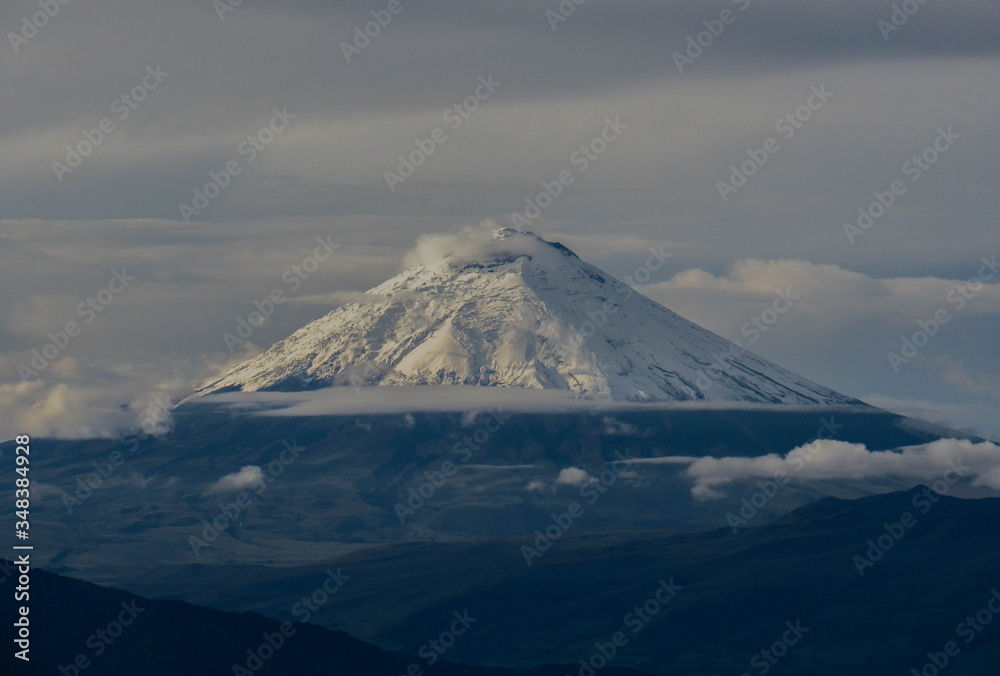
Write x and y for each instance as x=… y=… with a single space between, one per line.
x=513 y=310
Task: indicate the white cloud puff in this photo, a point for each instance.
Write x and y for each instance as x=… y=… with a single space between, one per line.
x=249 y=476
x=574 y=476
x=475 y=244
x=978 y=463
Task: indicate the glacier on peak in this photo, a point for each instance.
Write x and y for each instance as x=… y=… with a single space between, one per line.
x=510 y=309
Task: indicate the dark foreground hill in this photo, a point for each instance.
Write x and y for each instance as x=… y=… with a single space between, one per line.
x=81 y=628
x=873 y=585
x=331 y=505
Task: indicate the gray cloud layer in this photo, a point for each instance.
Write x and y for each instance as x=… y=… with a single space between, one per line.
x=324 y=175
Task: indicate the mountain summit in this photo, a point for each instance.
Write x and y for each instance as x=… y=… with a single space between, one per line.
x=513 y=310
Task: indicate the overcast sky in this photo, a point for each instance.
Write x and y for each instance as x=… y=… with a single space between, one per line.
x=208 y=79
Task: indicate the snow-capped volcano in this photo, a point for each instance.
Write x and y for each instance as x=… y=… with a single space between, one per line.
x=517 y=311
